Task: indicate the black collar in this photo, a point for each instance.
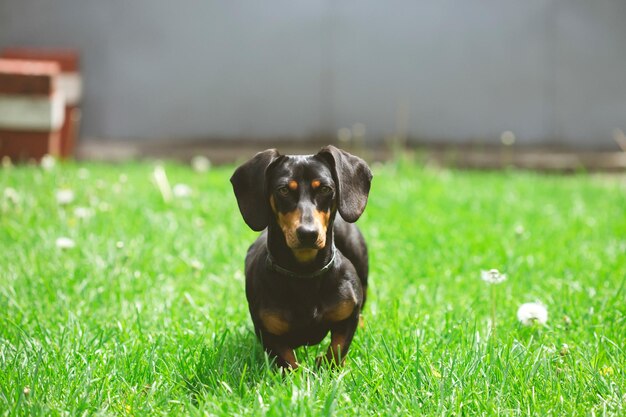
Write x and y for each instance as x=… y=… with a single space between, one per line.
x=273 y=266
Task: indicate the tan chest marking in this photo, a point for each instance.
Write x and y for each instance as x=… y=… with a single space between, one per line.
x=274 y=322
x=340 y=311
x=304 y=255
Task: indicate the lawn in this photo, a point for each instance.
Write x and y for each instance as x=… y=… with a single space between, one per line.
x=146 y=313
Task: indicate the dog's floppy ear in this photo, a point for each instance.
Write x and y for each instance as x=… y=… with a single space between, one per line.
x=353 y=179
x=249 y=186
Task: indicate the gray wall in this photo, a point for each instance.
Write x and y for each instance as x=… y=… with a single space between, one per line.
x=552 y=71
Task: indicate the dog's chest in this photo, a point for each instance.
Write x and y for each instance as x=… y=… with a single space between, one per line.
x=326 y=310
x=300 y=309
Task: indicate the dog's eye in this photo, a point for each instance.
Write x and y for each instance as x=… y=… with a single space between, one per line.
x=283 y=191
x=325 y=190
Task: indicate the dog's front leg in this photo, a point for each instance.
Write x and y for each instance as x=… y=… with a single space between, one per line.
x=341 y=334
x=282 y=354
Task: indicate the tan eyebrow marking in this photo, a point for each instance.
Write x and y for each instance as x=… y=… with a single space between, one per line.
x=315 y=183
x=293 y=185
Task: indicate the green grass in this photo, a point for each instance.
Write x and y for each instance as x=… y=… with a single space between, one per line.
x=147 y=314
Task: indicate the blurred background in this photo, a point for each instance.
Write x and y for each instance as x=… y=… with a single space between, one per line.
x=196 y=76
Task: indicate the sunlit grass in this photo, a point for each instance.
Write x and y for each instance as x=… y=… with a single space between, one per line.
x=146 y=314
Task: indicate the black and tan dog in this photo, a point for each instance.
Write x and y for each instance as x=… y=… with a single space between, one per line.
x=306 y=274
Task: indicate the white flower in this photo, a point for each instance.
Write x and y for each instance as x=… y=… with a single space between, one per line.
x=344 y=135
x=529 y=313
x=200 y=163
x=196 y=264
x=11 y=195
x=507 y=138
x=65 y=196
x=65 y=243
x=48 y=162
x=83 y=212
x=493 y=276
x=83 y=173
x=181 y=191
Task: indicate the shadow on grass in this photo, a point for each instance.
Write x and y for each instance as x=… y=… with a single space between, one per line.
x=231 y=362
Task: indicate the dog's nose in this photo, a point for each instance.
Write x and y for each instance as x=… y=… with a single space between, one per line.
x=306 y=235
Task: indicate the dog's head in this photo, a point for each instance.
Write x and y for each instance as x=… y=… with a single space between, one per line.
x=301 y=194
